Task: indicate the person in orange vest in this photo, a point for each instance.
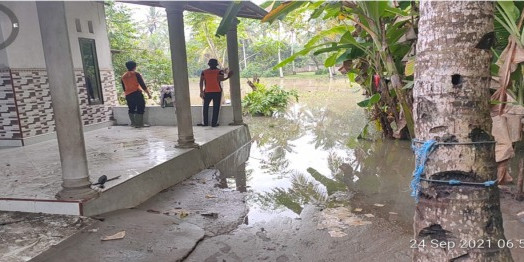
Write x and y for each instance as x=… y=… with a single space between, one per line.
x=133 y=85
x=212 y=79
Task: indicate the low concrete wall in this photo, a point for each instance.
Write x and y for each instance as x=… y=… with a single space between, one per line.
x=158 y=116
x=232 y=147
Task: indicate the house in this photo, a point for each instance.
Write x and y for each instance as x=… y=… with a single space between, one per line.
x=26 y=113
x=56 y=79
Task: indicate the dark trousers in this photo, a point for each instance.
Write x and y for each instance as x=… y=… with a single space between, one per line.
x=136 y=103
x=216 y=97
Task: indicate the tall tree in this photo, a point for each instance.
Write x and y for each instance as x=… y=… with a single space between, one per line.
x=451 y=105
x=281 y=73
x=123 y=35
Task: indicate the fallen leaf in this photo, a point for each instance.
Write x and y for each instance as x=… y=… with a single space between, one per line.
x=369 y=215
x=520 y=213
x=337 y=234
x=378 y=205
x=358 y=210
x=183 y=214
x=211 y=196
x=119 y=235
x=393 y=216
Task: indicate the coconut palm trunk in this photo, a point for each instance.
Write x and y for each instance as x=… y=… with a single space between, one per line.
x=451 y=104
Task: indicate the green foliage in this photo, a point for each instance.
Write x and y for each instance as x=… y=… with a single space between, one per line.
x=321 y=71
x=266 y=101
x=258 y=69
x=373 y=37
x=123 y=35
x=228 y=18
x=146 y=44
x=368 y=103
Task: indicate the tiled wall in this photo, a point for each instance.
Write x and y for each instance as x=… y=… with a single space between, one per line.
x=9 y=124
x=33 y=99
x=92 y=114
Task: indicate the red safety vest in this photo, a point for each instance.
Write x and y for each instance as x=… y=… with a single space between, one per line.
x=130 y=83
x=211 y=80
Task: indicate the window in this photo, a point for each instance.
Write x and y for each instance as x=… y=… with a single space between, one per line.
x=90 y=27
x=78 y=25
x=91 y=71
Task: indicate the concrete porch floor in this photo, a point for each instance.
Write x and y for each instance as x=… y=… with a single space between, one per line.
x=34 y=173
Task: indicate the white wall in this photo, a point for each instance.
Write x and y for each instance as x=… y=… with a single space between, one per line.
x=27 y=50
x=88 y=11
x=157 y=116
x=4 y=22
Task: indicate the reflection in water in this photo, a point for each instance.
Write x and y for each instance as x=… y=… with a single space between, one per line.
x=310 y=155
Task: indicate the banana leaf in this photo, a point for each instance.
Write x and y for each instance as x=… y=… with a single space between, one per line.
x=229 y=18
x=282 y=10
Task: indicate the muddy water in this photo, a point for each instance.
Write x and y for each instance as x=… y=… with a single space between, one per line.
x=310 y=154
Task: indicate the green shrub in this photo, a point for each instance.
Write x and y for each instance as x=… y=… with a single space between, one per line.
x=266 y=101
x=255 y=69
x=321 y=71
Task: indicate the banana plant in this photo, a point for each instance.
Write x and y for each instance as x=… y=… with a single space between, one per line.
x=370 y=41
x=509 y=25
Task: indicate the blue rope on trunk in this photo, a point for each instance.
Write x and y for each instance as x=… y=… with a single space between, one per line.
x=421 y=157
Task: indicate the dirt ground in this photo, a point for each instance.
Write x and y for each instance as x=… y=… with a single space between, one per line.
x=197 y=221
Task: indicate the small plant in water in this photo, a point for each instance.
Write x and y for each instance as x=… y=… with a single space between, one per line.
x=263 y=101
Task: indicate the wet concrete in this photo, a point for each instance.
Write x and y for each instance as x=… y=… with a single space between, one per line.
x=148 y=237
x=300 y=239
x=166 y=228
x=117 y=151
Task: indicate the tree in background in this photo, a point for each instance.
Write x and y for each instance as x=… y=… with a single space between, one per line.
x=147 y=45
x=371 y=40
x=123 y=35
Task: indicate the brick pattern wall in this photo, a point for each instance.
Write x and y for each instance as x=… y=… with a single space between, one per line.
x=92 y=114
x=9 y=124
x=34 y=100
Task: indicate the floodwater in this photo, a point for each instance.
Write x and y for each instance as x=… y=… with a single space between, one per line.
x=310 y=154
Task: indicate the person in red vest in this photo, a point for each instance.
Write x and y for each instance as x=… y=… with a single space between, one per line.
x=212 y=79
x=133 y=85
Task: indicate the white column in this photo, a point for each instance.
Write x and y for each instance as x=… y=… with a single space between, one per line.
x=234 y=81
x=69 y=129
x=177 y=44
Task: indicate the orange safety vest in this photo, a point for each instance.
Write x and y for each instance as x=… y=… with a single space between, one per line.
x=211 y=80
x=131 y=83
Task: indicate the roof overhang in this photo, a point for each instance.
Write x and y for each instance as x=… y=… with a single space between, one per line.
x=248 y=9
